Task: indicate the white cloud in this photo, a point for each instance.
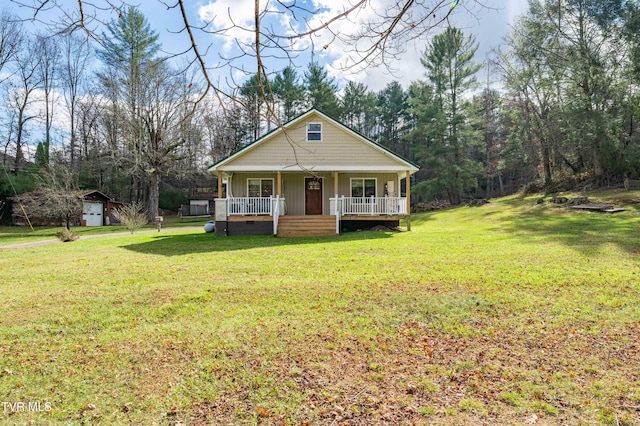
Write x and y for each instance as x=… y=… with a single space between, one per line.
x=331 y=46
x=232 y=19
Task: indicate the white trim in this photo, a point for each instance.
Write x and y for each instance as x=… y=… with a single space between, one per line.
x=307 y=131
x=363 y=187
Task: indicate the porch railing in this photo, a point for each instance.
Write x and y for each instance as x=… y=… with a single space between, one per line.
x=249 y=206
x=373 y=206
x=353 y=206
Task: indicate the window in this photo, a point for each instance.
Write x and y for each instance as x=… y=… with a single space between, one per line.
x=314 y=132
x=260 y=187
x=363 y=187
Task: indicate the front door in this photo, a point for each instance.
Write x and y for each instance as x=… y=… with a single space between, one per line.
x=313 y=196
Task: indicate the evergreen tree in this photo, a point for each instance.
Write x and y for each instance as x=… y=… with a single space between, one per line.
x=289 y=94
x=42 y=154
x=392 y=106
x=253 y=98
x=359 y=108
x=321 y=90
x=449 y=63
x=129 y=43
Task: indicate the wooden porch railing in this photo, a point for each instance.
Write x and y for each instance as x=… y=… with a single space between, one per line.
x=373 y=206
x=352 y=206
x=249 y=206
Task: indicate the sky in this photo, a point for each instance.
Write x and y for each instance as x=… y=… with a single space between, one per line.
x=487 y=24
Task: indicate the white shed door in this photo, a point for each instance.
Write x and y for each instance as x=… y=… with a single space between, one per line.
x=92 y=213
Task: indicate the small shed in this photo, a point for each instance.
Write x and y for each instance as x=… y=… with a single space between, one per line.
x=200 y=205
x=95 y=208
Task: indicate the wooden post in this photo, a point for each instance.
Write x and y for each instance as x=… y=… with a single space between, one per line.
x=408 y=195
x=335 y=183
x=219 y=183
x=279 y=184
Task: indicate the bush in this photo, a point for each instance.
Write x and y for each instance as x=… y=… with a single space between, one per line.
x=171 y=199
x=133 y=216
x=65 y=235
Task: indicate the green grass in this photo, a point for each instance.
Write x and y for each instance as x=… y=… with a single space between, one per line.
x=17 y=234
x=489 y=314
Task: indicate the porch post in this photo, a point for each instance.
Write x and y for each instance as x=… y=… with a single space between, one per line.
x=338 y=207
x=408 y=195
x=279 y=184
x=219 y=183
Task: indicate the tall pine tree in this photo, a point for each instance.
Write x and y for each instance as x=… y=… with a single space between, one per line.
x=289 y=94
x=450 y=69
x=321 y=90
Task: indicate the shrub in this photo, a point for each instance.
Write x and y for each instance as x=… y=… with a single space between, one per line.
x=66 y=235
x=133 y=216
x=171 y=199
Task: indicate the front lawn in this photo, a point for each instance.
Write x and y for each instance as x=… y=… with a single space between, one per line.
x=10 y=235
x=510 y=313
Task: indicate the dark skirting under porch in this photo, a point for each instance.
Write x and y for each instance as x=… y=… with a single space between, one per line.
x=362 y=225
x=245 y=226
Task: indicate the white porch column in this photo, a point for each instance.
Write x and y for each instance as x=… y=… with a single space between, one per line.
x=408 y=194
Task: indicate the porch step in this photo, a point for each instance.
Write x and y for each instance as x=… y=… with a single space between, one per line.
x=306 y=226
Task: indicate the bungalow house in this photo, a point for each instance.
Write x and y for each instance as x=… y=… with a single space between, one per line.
x=311 y=176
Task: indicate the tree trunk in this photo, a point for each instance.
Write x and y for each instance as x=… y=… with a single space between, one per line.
x=154 y=195
x=597 y=163
x=546 y=163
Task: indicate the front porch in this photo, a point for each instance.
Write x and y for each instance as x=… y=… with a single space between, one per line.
x=268 y=215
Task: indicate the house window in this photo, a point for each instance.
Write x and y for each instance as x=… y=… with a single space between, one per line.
x=314 y=132
x=260 y=187
x=363 y=187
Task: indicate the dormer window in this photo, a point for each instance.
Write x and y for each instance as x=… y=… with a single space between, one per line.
x=314 y=132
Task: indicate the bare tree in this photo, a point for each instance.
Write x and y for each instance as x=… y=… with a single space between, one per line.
x=47 y=49
x=163 y=99
x=21 y=94
x=76 y=56
x=57 y=197
x=223 y=132
x=10 y=38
